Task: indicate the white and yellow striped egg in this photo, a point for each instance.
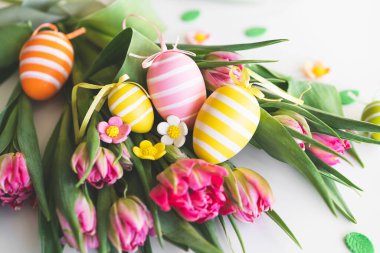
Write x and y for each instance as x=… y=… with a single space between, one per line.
x=371 y=114
x=128 y=101
x=225 y=124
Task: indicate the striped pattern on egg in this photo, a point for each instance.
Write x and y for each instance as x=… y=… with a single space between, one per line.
x=129 y=101
x=225 y=124
x=371 y=114
x=176 y=86
x=46 y=61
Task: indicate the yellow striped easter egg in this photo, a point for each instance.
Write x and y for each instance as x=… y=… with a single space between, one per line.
x=371 y=114
x=128 y=101
x=225 y=124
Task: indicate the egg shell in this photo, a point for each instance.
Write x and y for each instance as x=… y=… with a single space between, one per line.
x=129 y=101
x=176 y=86
x=46 y=61
x=371 y=114
x=225 y=124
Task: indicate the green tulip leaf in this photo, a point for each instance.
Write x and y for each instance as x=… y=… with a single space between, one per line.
x=359 y=243
x=348 y=96
x=28 y=143
x=255 y=31
x=190 y=15
x=8 y=132
x=105 y=200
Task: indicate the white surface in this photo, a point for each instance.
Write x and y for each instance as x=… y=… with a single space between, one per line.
x=341 y=33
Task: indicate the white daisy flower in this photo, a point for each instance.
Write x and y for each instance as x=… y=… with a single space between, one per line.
x=173 y=131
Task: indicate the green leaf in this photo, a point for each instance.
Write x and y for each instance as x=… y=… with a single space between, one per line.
x=200 y=49
x=338 y=200
x=109 y=20
x=354 y=154
x=8 y=132
x=223 y=224
x=208 y=230
x=255 y=31
x=18 y=14
x=12 y=37
x=325 y=167
x=28 y=143
x=63 y=179
x=236 y=229
x=92 y=145
x=106 y=196
x=355 y=137
x=181 y=232
x=49 y=235
x=230 y=183
x=358 y=243
x=285 y=149
x=190 y=15
x=348 y=96
x=277 y=219
x=5 y=73
x=213 y=64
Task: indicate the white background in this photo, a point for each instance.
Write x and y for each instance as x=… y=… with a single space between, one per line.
x=345 y=36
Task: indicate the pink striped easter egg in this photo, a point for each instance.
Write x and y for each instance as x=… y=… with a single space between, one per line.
x=176 y=86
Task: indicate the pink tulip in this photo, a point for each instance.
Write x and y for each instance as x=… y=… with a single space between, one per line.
x=105 y=170
x=255 y=195
x=295 y=122
x=130 y=224
x=15 y=183
x=220 y=76
x=86 y=215
x=125 y=159
x=193 y=187
x=332 y=142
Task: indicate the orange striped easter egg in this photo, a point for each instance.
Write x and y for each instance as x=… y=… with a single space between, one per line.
x=46 y=61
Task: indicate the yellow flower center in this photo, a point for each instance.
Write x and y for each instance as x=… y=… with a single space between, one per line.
x=149 y=151
x=200 y=37
x=173 y=132
x=319 y=70
x=112 y=131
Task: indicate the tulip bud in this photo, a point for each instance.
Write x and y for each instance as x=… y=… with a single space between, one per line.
x=173 y=153
x=255 y=195
x=104 y=171
x=125 y=160
x=15 y=183
x=295 y=122
x=220 y=76
x=86 y=215
x=332 y=142
x=130 y=224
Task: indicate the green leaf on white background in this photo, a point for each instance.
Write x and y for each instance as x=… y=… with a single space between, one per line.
x=255 y=31
x=190 y=15
x=348 y=96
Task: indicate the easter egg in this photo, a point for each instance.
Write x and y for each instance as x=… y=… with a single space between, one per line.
x=371 y=114
x=225 y=124
x=176 y=86
x=129 y=102
x=46 y=61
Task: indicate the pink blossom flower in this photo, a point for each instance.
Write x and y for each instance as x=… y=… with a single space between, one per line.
x=220 y=76
x=130 y=224
x=105 y=170
x=193 y=187
x=332 y=142
x=197 y=38
x=86 y=215
x=15 y=183
x=254 y=194
x=115 y=131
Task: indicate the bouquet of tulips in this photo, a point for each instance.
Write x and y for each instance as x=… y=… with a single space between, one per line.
x=118 y=170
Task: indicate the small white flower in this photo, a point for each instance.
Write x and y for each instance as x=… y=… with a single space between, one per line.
x=173 y=131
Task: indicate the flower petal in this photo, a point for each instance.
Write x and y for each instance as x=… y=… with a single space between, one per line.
x=105 y=138
x=178 y=142
x=166 y=140
x=173 y=120
x=102 y=127
x=115 y=121
x=137 y=151
x=160 y=147
x=183 y=128
x=162 y=128
x=145 y=144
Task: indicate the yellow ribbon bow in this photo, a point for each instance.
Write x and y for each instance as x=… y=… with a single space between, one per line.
x=246 y=74
x=96 y=104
